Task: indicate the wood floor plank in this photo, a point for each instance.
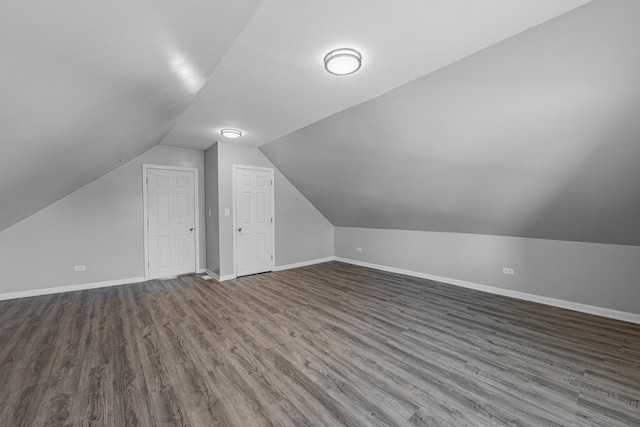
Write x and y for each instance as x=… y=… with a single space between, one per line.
x=329 y=344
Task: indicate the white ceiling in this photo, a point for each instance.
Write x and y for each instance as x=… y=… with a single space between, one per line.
x=537 y=136
x=85 y=84
x=272 y=82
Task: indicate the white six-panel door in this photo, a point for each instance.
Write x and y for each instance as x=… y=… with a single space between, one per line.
x=170 y=222
x=254 y=220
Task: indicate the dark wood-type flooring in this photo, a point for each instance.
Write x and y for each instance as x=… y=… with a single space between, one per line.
x=330 y=344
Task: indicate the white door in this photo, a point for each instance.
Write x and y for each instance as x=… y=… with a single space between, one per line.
x=170 y=222
x=254 y=220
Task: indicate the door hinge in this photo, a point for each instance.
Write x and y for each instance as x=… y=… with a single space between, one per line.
x=271 y=182
x=271 y=220
x=271 y=257
x=147 y=180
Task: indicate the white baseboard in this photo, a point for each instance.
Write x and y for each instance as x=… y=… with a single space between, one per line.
x=70 y=288
x=212 y=274
x=304 y=263
x=278 y=268
x=584 y=308
x=201 y=270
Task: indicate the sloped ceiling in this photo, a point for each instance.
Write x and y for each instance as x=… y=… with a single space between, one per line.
x=84 y=84
x=87 y=85
x=272 y=81
x=537 y=136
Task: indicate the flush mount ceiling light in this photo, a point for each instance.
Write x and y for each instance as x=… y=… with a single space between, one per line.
x=231 y=133
x=343 y=61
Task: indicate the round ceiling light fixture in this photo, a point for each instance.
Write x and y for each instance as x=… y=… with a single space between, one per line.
x=341 y=62
x=231 y=133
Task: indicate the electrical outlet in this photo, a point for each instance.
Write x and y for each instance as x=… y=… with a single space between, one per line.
x=359 y=249
x=226 y=212
x=80 y=267
x=507 y=270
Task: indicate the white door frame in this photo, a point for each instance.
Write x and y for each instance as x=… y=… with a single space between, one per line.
x=273 y=213
x=196 y=212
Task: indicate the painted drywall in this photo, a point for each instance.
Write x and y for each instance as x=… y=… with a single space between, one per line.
x=99 y=225
x=594 y=274
x=537 y=136
x=212 y=209
x=85 y=84
x=302 y=233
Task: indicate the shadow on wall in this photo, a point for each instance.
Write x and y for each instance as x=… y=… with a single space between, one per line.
x=599 y=200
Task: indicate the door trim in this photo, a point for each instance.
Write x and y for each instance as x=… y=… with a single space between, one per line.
x=196 y=212
x=273 y=212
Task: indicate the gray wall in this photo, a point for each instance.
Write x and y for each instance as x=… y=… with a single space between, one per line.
x=302 y=233
x=212 y=209
x=587 y=273
x=537 y=136
x=100 y=226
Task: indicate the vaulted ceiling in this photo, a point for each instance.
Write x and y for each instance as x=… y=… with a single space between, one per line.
x=537 y=136
x=494 y=117
x=272 y=80
x=85 y=84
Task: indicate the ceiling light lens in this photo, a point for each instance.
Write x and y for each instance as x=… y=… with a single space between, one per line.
x=343 y=61
x=231 y=133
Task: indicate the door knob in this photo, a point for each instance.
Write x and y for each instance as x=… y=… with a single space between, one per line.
x=191 y=229
x=239 y=228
